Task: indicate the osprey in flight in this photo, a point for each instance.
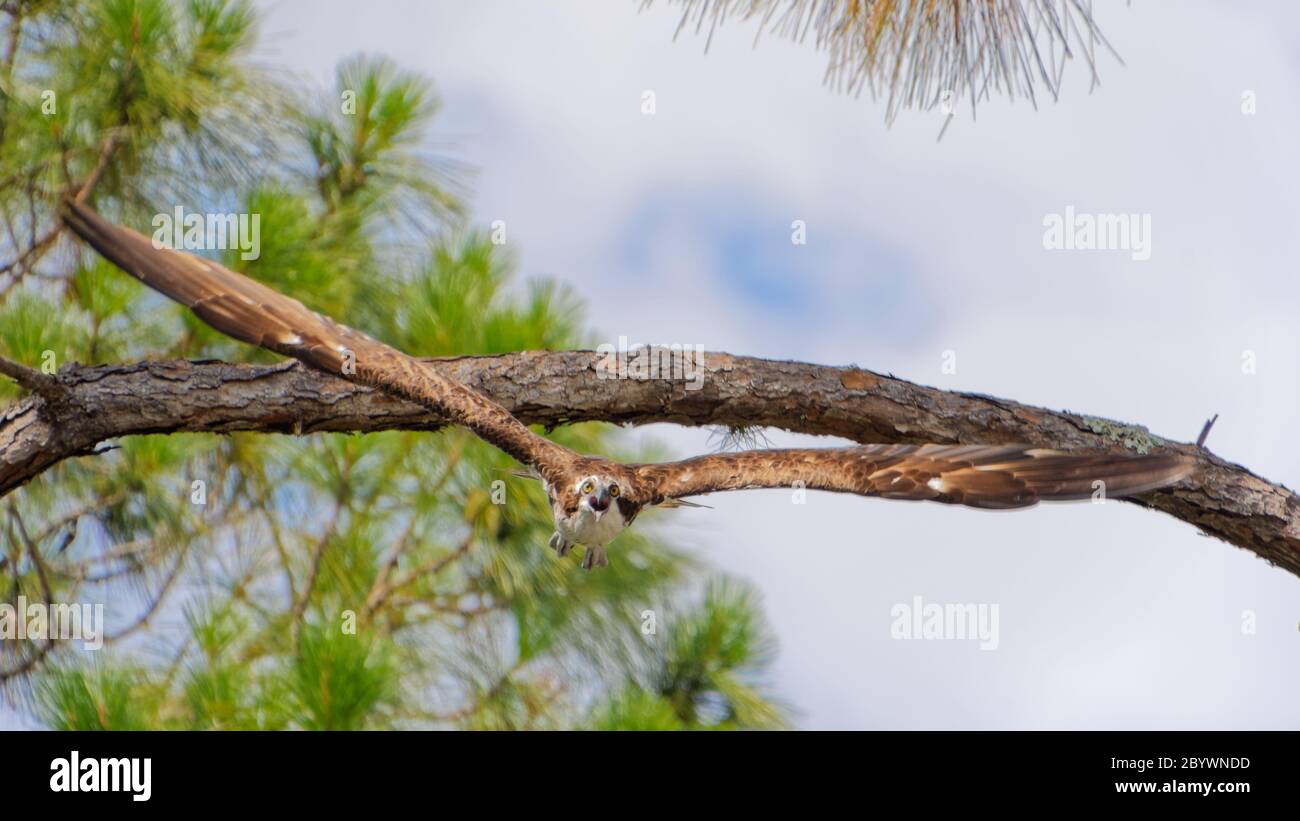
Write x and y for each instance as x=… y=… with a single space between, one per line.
x=593 y=499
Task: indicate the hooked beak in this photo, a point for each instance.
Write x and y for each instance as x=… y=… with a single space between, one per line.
x=599 y=502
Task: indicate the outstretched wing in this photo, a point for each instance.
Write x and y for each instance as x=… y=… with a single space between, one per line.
x=251 y=312
x=990 y=477
x=996 y=477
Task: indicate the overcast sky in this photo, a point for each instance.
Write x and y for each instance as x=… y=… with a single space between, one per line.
x=675 y=227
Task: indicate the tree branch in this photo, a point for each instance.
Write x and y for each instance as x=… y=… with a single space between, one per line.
x=108 y=401
x=32 y=380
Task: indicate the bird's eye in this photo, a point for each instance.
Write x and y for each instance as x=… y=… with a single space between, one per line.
x=613 y=490
x=588 y=487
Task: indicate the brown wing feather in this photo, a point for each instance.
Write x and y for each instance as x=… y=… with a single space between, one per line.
x=251 y=312
x=977 y=476
x=990 y=477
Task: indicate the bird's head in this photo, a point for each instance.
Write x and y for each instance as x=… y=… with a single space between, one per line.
x=597 y=493
x=595 y=489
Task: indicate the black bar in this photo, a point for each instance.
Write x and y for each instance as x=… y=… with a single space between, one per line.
x=331 y=771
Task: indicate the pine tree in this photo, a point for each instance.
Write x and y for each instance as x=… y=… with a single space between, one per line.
x=323 y=580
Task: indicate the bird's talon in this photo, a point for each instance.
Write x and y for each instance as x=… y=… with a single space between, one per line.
x=595 y=558
x=559 y=545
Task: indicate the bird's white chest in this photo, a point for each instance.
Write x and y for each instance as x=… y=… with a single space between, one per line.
x=585 y=529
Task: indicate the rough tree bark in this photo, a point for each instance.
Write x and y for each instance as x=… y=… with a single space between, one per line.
x=95 y=404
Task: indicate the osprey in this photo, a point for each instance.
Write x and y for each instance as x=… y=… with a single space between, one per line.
x=593 y=499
